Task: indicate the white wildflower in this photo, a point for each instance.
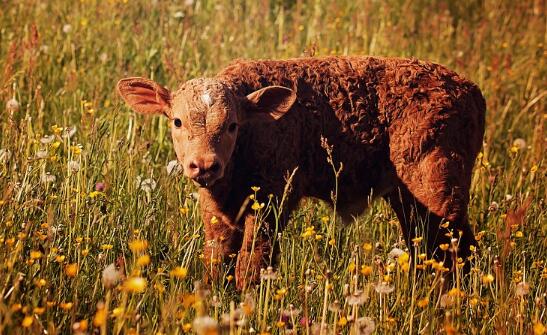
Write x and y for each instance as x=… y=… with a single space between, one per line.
x=56 y=228
x=74 y=166
x=383 y=288
x=12 y=105
x=508 y=197
x=395 y=253
x=178 y=14
x=205 y=325
x=357 y=298
x=268 y=274
x=334 y=306
x=46 y=139
x=173 y=167
x=365 y=325
x=68 y=132
x=147 y=185
x=519 y=143
x=67 y=28
x=48 y=178
x=111 y=276
x=291 y=312
x=103 y=57
x=447 y=300
x=494 y=206
x=40 y=154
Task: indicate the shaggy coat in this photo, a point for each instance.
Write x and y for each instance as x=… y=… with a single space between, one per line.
x=405 y=130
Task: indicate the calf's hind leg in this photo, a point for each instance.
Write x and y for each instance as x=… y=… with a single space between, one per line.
x=431 y=193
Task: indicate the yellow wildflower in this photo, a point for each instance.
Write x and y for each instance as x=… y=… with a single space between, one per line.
x=100 y=316
x=423 y=302
x=71 y=270
x=39 y=310
x=41 y=282
x=179 y=272
x=187 y=327
x=367 y=246
x=135 y=284
x=138 y=245
x=35 y=254
x=27 y=321
x=66 y=305
x=143 y=260
x=117 y=312
x=351 y=267
x=487 y=279
x=539 y=328
x=366 y=270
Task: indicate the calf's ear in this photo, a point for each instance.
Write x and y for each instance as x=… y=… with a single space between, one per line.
x=270 y=103
x=145 y=96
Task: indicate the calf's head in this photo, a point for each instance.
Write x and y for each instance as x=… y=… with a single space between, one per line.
x=205 y=115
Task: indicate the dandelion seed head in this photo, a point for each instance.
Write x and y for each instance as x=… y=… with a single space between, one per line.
x=519 y=143
x=41 y=154
x=68 y=132
x=395 y=253
x=173 y=167
x=12 y=105
x=205 y=325
x=383 y=288
x=48 y=178
x=74 y=166
x=111 y=276
x=67 y=28
x=46 y=139
x=365 y=325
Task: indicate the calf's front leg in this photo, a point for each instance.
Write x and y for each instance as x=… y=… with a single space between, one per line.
x=222 y=239
x=256 y=252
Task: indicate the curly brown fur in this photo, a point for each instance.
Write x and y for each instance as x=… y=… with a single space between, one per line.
x=405 y=130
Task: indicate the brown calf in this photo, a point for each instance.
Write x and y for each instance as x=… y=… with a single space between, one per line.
x=405 y=130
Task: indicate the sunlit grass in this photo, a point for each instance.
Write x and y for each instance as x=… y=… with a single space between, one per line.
x=99 y=232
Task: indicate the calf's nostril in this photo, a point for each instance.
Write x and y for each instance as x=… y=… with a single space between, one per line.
x=193 y=166
x=215 y=167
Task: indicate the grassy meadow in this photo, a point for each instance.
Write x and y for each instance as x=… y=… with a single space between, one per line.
x=100 y=234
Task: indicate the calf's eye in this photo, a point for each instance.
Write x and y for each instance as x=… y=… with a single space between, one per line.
x=177 y=122
x=232 y=127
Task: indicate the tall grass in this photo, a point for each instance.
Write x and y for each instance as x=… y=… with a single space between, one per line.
x=72 y=205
